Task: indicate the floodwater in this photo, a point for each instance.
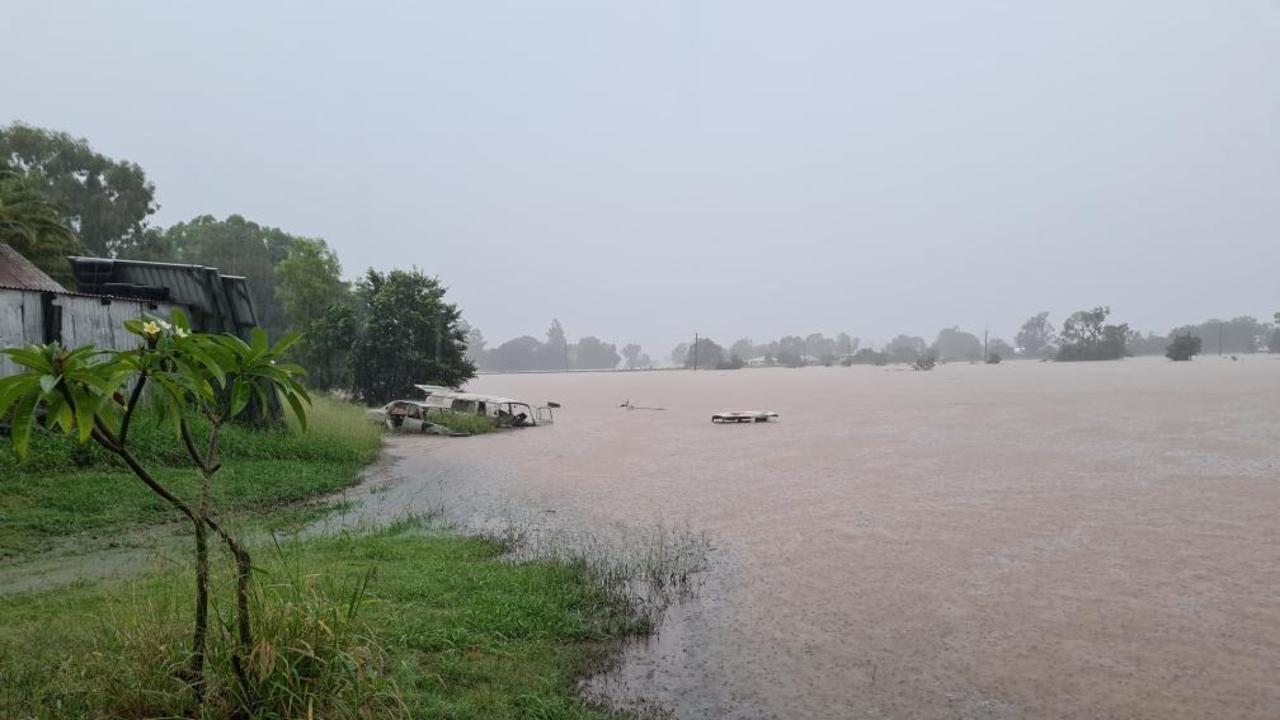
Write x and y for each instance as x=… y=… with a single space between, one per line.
x=1026 y=540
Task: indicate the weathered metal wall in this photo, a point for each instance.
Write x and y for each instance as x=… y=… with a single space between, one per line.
x=84 y=320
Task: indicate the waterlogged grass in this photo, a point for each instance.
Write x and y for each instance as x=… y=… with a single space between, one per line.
x=401 y=623
x=66 y=489
x=465 y=423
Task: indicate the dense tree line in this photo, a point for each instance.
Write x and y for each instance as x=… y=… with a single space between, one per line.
x=375 y=337
x=1087 y=336
x=527 y=353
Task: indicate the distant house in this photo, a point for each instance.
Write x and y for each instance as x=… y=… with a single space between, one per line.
x=35 y=309
x=762 y=361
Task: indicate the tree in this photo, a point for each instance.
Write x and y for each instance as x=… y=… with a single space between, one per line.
x=678 y=354
x=633 y=353
x=705 y=353
x=35 y=228
x=410 y=335
x=1149 y=344
x=237 y=246
x=1086 y=336
x=516 y=354
x=105 y=202
x=821 y=347
x=1036 y=337
x=906 y=349
x=1274 y=343
x=1239 y=335
x=955 y=344
x=1000 y=347
x=866 y=356
x=743 y=348
x=316 y=301
x=81 y=392
x=475 y=344
x=846 y=345
x=1183 y=348
x=308 y=280
x=590 y=353
x=554 y=353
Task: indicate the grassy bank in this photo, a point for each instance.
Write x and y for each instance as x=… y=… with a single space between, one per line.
x=405 y=622
x=64 y=489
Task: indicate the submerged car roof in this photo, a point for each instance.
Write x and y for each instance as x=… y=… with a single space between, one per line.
x=444 y=392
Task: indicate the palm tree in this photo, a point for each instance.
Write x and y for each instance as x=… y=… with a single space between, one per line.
x=31 y=225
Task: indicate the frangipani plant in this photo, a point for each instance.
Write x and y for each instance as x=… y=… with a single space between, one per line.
x=82 y=392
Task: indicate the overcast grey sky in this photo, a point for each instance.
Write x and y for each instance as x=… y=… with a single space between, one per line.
x=643 y=170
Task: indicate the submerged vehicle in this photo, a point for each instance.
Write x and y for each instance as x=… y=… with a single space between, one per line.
x=417 y=414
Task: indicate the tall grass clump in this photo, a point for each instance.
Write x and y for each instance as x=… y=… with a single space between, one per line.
x=405 y=622
x=463 y=423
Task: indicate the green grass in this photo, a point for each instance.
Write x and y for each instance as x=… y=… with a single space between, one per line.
x=400 y=623
x=463 y=422
x=65 y=489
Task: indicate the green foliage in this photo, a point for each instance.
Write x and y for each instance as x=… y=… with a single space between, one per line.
x=216 y=375
x=635 y=357
x=999 y=347
x=955 y=344
x=1138 y=344
x=105 y=202
x=1183 y=348
x=30 y=224
x=866 y=356
x=409 y=335
x=309 y=281
x=237 y=246
x=395 y=624
x=733 y=362
x=906 y=349
x=705 y=353
x=465 y=423
x=1086 y=336
x=1036 y=338
x=1243 y=334
x=591 y=353
x=62 y=488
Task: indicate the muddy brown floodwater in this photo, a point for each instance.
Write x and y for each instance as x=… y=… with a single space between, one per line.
x=1027 y=540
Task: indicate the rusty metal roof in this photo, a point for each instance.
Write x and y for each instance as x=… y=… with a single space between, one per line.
x=18 y=272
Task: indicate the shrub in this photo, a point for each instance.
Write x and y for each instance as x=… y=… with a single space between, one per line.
x=1183 y=348
x=464 y=423
x=993 y=358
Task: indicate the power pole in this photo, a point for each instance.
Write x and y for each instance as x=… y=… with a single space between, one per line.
x=986 y=354
x=1219 y=339
x=695 y=352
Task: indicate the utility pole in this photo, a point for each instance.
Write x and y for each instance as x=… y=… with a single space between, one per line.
x=986 y=353
x=695 y=352
x=1219 y=339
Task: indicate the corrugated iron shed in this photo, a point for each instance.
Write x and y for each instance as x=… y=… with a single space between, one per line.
x=18 y=272
x=218 y=303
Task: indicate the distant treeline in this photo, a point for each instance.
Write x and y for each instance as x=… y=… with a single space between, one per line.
x=1084 y=335
x=555 y=353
